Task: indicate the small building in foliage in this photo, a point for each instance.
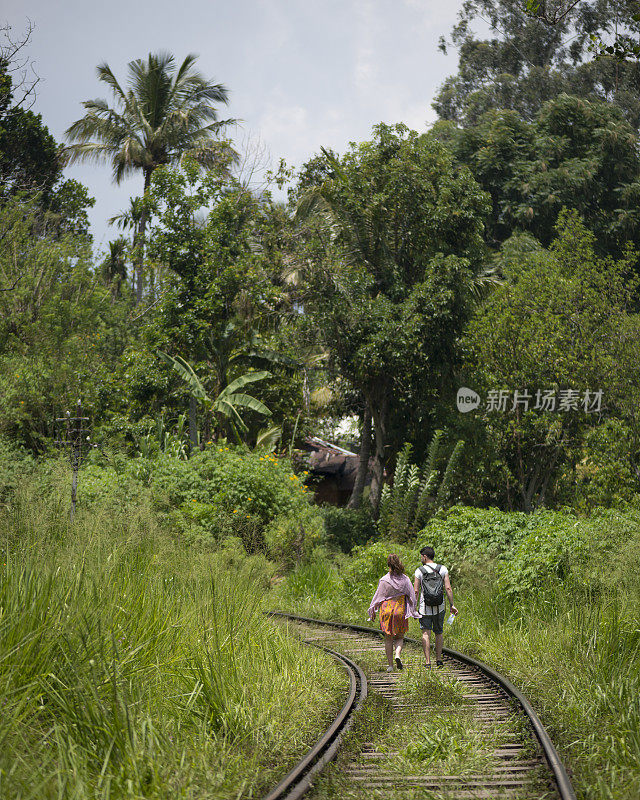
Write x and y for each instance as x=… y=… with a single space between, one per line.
x=332 y=470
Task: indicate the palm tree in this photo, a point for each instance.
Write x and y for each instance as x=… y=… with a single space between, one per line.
x=166 y=113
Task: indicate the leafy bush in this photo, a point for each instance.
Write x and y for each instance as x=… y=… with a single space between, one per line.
x=205 y=523
x=290 y=539
x=369 y=563
x=543 y=557
x=111 y=485
x=346 y=528
x=218 y=492
x=473 y=535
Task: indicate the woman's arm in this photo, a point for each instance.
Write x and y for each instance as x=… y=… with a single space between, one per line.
x=376 y=600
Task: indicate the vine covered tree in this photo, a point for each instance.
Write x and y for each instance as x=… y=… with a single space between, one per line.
x=166 y=112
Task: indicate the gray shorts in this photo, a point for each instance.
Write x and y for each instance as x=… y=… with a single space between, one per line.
x=433 y=622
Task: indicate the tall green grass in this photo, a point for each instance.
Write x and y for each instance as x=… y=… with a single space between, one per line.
x=580 y=665
x=131 y=666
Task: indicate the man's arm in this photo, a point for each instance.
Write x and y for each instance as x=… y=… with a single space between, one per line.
x=416 y=589
x=449 y=591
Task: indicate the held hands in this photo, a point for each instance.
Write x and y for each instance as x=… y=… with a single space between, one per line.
x=454 y=610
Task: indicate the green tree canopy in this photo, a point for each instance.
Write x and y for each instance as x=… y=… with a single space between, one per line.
x=576 y=153
x=394 y=235
x=219 y=304
x=29 y=155
x=560 y=322
x=60 y=337
x=524 y=62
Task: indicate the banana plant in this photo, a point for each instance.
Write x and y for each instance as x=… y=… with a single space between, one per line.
x=230 y=398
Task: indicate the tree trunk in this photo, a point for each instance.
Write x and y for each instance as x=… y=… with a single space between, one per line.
x=142 y=229
x=377 y=478
x=363 y=465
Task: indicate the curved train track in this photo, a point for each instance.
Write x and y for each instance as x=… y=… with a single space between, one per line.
x=523 y=764
x=301 y=777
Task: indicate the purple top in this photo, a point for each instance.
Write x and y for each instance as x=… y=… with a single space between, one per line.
x=390 y=586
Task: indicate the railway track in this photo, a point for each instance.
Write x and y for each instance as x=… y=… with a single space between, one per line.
x=510 y=756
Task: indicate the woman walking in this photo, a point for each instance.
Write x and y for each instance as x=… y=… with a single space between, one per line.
x=396 y=600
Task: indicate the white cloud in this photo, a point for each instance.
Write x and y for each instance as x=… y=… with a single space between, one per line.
x=301 y=74
x=365 y=68
x=280 y=120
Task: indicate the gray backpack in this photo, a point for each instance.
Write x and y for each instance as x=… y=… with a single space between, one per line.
x=432 y=584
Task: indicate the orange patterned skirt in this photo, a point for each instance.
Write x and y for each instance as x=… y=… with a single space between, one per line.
x=392 y=621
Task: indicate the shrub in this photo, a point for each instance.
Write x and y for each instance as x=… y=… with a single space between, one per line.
x=253 y=483
x=473 y=535
x=346 y=528
x=369 y=563
x=291 y=539
x=218 y=492
x=546 y=555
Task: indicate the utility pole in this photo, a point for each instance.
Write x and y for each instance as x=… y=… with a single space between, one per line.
x=74 y=435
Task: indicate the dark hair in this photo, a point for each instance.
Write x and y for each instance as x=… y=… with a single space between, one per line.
x=427 y=551
x=395 y=565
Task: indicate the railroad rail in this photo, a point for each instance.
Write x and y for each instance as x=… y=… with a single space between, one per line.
x=514 y=772
x=299 y=780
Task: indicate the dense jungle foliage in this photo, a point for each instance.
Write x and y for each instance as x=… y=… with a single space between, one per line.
x=495 y=254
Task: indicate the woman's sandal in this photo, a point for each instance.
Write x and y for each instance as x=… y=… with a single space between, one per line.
x=398 y=662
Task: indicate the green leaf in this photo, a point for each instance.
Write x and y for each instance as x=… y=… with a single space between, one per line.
x=243 y=380
x=186 y=372
x=224 y=407
x=247 y=401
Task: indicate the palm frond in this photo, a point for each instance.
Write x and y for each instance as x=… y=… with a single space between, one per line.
x=268 y=438
x=106 y=76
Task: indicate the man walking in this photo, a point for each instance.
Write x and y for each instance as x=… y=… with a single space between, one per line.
x=431 y=581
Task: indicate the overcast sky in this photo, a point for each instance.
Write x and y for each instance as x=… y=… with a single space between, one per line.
x=301 y=73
